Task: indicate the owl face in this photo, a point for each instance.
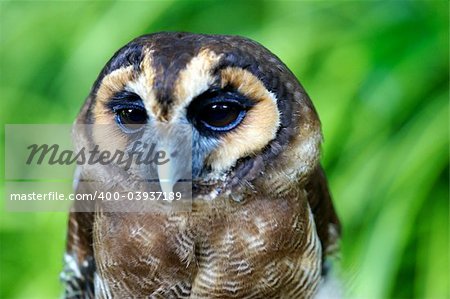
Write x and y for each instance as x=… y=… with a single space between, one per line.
x=247 y=114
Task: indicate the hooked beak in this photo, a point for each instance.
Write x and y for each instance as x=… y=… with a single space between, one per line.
x=168 y=172
x=177 y=164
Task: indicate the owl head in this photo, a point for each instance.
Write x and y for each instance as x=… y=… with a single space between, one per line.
x=250 y=121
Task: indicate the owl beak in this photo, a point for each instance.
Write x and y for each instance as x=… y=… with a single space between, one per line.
x=175 y=144
x=167 y=171
x=176 y=167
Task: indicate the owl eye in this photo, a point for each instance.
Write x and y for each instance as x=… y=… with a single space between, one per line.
x=221 y=116
x=218 y=110
x=131 y=119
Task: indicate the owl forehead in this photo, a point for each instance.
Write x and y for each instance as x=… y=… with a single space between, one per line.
x=180 y=64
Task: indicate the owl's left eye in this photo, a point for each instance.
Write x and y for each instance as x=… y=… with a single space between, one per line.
x=218 y=111
x=222 y=116
x=131 y=119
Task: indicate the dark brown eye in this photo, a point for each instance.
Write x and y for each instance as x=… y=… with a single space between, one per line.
x=221 y=116
x=218 y=111
x=131 y=119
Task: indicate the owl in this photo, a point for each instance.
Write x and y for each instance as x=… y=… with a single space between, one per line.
x=260 y=223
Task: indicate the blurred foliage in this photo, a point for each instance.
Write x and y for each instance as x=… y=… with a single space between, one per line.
x=376 y=71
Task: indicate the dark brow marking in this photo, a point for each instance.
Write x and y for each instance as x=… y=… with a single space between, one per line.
x=125 y=97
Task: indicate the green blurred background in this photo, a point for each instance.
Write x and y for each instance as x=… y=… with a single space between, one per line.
x=378 y=73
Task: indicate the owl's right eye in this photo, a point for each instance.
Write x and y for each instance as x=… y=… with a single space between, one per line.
x=129 y=111
x=130 y=119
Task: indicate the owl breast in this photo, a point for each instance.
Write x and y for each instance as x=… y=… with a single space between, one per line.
x=222 y=249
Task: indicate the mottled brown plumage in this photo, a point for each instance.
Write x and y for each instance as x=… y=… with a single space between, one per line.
x=262 y=221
